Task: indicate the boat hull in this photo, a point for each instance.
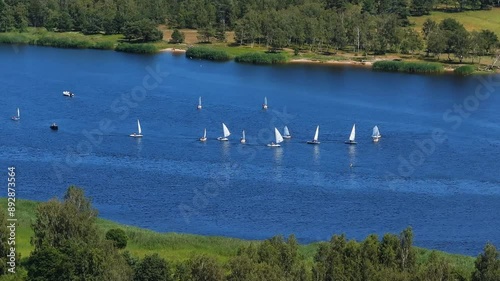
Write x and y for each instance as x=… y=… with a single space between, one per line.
x=376 y=139
x=243 y=140
x=134 y=135
x=15 y=118
x=203 y=139
x=222 y=139
x=54 y=128
x=287 y=137
x=313 y=142
x=273 y=145
x=350 y=142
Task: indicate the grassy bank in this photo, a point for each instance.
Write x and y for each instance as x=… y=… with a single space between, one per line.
x=178 y=247
x=409 y=67
x=262 y=58
x=76 y=40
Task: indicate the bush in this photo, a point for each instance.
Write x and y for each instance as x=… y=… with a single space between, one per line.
x=261 y=58
x=118 y=237
x=177 y=36
x=410 y=67
x=207 y=53
x=465 y=70
x=137 y=48
x=153 y=267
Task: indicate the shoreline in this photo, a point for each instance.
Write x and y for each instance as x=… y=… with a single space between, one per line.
x=368 y=64
x=172 y=50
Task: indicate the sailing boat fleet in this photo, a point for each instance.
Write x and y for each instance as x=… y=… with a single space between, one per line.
x=278 y=138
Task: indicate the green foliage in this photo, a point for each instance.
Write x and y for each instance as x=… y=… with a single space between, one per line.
x=205 y=268
x=14 y=38
x=177 y=36
x=118 y=237
x=487 y=265
x=262 y=58
x=153 y=268
x=142 y=30
x=410 y=67
x=207 y=53
x=465 y=70
x=137 y=48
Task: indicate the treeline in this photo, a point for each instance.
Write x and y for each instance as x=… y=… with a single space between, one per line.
x=69 y=246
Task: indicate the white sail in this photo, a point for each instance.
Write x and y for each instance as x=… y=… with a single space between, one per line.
x=199 y=101
x=286 y=132
x=353 y=133
x=376 y=132
x=18 y=113
x=265 y=100
x=205 y=133
x=243 y=134
x=139 y=127
x=316 y=134
x=226 y=130
x=278 y=136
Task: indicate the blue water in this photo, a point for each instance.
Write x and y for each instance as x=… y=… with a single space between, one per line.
x=448 y=191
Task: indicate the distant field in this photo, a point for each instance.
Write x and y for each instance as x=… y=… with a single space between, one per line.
x=472 y=20
x=191 y=35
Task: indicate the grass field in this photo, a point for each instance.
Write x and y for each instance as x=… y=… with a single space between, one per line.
x=472 y=20
x=177 y=247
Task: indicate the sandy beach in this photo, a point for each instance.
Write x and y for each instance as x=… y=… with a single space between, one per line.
x=173 y=50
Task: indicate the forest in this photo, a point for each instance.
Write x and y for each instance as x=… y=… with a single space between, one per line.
x=322 y=26
x=68 y=245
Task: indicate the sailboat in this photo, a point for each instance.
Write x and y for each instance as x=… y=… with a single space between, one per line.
x=139 y=131
x=204 y=138
x=243 y=139
x=226 y=133
x=264 y=105
x=376 y=134
x=18 y=117
x=315 y=140
x=278 y=139
x=352 y=137
x=286 y=133
x=199 y=103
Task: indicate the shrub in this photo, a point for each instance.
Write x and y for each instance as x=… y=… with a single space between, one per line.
x=137 y=48
x=465 y=70
x=118 y=237
x=207 y=53
x=410 y=67
x=63 y=42
x=261 y=58
x=14 y=38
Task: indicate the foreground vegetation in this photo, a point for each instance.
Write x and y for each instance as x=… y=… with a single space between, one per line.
x=68 y=242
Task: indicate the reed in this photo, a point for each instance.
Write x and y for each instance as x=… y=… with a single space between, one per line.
x=207 y=53
x=262 y=58
x=409 y=67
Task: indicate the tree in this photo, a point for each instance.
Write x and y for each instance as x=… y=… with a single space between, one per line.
x=487 y=265
x=153 y=268
x=410 y=41
x=177 y=36
x=421 y=7
x=118 y=237
x=142 y=30
x=205 y=268
x=436 y=43
x=428 y=27
x=205 y=34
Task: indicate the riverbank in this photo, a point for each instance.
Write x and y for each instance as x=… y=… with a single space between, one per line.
x=178 y=247
x=252 y=54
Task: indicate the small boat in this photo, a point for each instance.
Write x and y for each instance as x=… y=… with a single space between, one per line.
x=286 y=133
x=243 y=139
x=376 y=134
x=139 y=131
x=315 y=140
x=54 y=127
x=199 y=103
x=68 y=94
x=18 y=116
x=204 y=138
x=264 y=105
x=352 y=137
x=226 y=132
x=278 y=139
